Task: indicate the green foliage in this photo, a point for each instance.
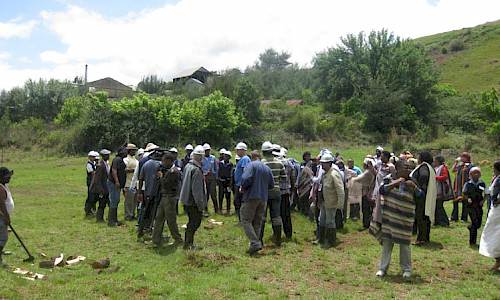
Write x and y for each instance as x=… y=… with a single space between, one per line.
x=304 y=122
x=94 y=122
x=247 y=100
x=36 y=99
x=457 y=45
x=152 y=84
x=346 y=76
x=270 y=60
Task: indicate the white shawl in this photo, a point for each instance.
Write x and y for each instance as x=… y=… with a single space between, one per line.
x=430 y=197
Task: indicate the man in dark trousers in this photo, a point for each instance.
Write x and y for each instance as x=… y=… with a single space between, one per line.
x=149 y=196
x=6 y=208
x=116 y=183
x=193 y=196
x=274 y=197
x=189 y=149
x=209 y=166
x=90 y=168
x=169 y=176
x=224 y=178
x=256 y=181
x=99 y=186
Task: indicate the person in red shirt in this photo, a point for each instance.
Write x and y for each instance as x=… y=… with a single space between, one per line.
x=444 y=190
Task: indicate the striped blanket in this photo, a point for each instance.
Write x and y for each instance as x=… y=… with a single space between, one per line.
x=398 y=215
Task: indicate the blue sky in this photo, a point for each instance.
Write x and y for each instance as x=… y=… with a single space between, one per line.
x=127 y=39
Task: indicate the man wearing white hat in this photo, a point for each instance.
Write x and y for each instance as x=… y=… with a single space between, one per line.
x=224 y=179
x=285 y=189
x=274 y=195
x=193 y=196
x=131 y=163
x=189 y=149
x=242 y=160
x=330 y=198
x=99 y=186
x=90 y=168
x=209 y=166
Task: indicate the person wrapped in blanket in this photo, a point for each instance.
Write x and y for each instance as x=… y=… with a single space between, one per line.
x=397 y=217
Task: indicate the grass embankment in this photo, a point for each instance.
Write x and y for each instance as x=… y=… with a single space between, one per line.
x=49 y=195
x=474 y=68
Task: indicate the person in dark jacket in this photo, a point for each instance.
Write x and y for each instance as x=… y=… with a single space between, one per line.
x=117 y=178
x=99 y=186
x=169 y=177
x=461 y=168
x=473 y=194
x=193 y=196
x=224 y=180
x=444 y=189
x=90 y=170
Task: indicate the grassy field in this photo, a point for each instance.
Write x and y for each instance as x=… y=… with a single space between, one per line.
x=49 y=195
x=477 y=66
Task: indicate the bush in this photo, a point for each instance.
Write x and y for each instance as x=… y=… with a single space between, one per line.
x=304 y=122
x=457 y=45
x=444 y=50
x=94 y=122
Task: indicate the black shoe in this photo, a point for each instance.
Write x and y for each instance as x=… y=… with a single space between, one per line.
x=253 y=251
x=330 y=238
x=320 y=236
x=277 y=236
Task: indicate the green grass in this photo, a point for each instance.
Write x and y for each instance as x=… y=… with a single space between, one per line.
x=49 y=195
x=477 y=67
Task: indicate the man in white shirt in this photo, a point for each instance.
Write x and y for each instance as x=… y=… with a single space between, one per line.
x=129 y=191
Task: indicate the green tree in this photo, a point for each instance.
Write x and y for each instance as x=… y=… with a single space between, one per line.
x=270 y=60
x=247 y=100
x=152 y=84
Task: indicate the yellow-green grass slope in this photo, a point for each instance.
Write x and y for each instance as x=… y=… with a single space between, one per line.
x=475 y=68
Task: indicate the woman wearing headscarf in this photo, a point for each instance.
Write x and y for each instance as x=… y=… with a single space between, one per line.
x=367 y=181
x=424 y=177
x=444 y=190
x=490 y=239
x=461 y=168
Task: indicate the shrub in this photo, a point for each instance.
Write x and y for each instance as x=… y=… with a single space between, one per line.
x=457 y=45
x=444 y=50
x=304 y=122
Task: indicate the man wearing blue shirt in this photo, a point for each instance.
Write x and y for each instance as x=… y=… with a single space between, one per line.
x=241 y=151
x=209 y=166
x=256 y=181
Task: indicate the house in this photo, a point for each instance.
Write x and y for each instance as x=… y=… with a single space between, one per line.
x=114 y=88
x=200 y=74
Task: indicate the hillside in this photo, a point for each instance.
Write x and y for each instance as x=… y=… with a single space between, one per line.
x=469 y=58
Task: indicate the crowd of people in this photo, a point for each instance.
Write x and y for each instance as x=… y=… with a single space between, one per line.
x=394 y=196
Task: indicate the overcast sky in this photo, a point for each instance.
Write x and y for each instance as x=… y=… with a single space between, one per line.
x=127 y=39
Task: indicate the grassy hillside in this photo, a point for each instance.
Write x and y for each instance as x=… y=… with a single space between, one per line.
x=469 y=58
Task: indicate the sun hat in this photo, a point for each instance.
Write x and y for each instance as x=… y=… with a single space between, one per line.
x=241 y=146
x=327 y=157
x=199 y=150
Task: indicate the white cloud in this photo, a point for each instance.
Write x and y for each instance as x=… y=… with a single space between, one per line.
x=219 y=34
x=16 y=29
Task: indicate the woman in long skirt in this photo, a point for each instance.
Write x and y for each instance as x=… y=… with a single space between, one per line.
x=490 y=239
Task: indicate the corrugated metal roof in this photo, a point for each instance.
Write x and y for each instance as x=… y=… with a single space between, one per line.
x=189 y=72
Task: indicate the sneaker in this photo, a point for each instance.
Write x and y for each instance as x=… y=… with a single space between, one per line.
x=380 y=273
x=406 y=275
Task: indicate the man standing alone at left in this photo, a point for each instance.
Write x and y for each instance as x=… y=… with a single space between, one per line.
x=6 y=207
x=116 y=183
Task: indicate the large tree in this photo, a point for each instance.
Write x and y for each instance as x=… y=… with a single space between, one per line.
x=348 y=70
